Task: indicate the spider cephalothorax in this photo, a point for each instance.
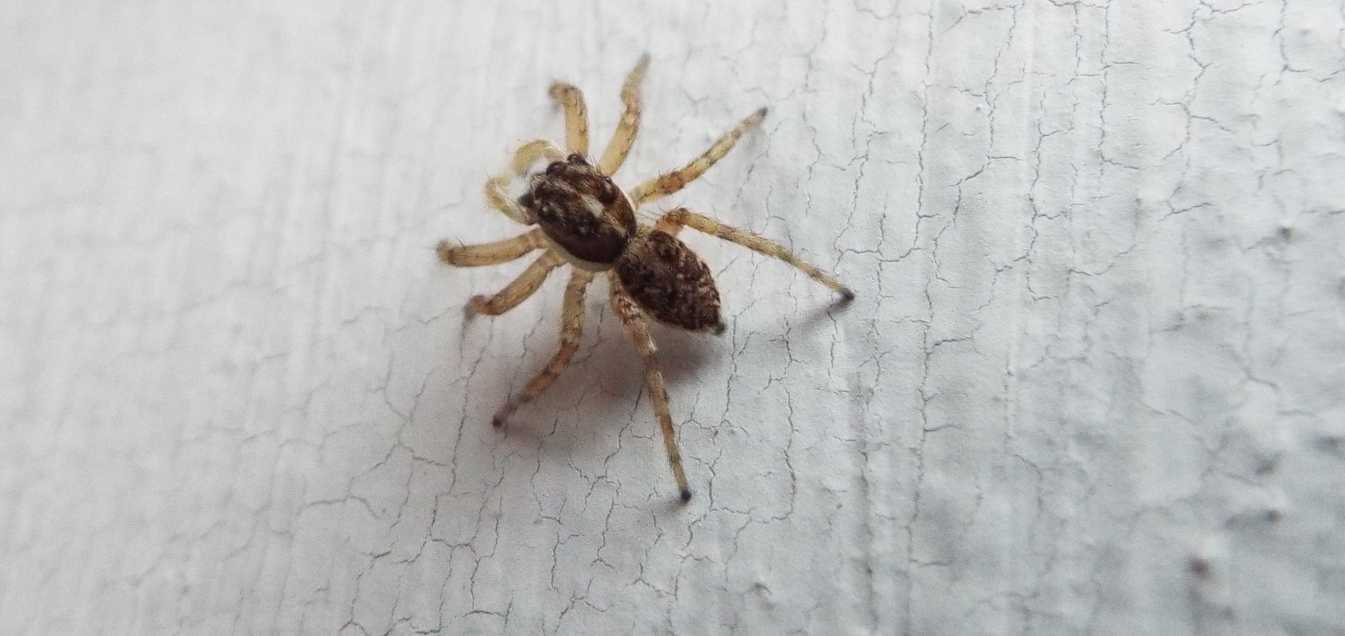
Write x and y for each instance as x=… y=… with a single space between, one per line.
x=583 y=219
x=581 y=211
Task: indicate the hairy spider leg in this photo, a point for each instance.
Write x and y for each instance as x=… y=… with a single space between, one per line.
x=571 y=328
x=492 y=253
x=637 y=327
x=520 y=288
x=576 y=116
x=624 y=137
x=674 y=220
x=671 y=182
x=497 y=187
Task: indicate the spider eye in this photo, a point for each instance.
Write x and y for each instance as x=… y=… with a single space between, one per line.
x=577 y=158
x=555 y=168
x=607 y=191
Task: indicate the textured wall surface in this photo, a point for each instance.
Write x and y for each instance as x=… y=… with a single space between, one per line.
x=1093 y=379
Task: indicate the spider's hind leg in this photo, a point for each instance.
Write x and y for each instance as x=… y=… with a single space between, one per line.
x=673 y=221
x=571 y=328
x=637 y=327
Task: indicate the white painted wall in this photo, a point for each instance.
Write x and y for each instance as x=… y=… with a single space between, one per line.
x=1093 y=380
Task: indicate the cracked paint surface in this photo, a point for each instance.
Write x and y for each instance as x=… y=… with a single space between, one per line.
x=1092 y=380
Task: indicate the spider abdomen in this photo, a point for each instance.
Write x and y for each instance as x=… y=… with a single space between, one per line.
x=670 y=282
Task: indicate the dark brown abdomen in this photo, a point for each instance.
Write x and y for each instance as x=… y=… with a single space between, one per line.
x=670 y=281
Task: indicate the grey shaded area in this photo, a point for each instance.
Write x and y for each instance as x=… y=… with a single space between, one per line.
x=1092 y=381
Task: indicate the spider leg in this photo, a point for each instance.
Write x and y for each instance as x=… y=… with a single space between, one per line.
x=576 y=116
x=637 y=327
x=673 y=221
x=497 y=186
x=519 y=289
x=492 y=253
x=571 y=328
x=671 y=182
x=624 y=137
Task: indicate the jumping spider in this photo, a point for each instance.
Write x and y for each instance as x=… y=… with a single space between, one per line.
x=584 y=220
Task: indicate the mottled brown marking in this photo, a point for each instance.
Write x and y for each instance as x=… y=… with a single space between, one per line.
x=670 y=282
x=581 y=210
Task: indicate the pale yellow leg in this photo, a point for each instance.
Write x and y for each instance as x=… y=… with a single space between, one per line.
x=519 y=289
x=637 y=327
x=492 y=253
x=497 y=187
x=673 y=221
x=671 y=182
x=571 y=328
x=619 y=146
x=576 y=116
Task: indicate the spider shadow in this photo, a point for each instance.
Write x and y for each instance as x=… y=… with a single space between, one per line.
x=605 y=383
x=817 y=315
x=603 y=392
x=607 y=378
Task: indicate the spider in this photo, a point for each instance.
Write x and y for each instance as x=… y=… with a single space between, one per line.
x=585 y=221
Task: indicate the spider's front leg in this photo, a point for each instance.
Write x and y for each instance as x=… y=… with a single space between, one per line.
x=497 y=186
x=671 y=182
x=637 y=327
x=674 y=220
x=492 y=253
x=624 y=138
x=576 y=116
x=571 y=328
